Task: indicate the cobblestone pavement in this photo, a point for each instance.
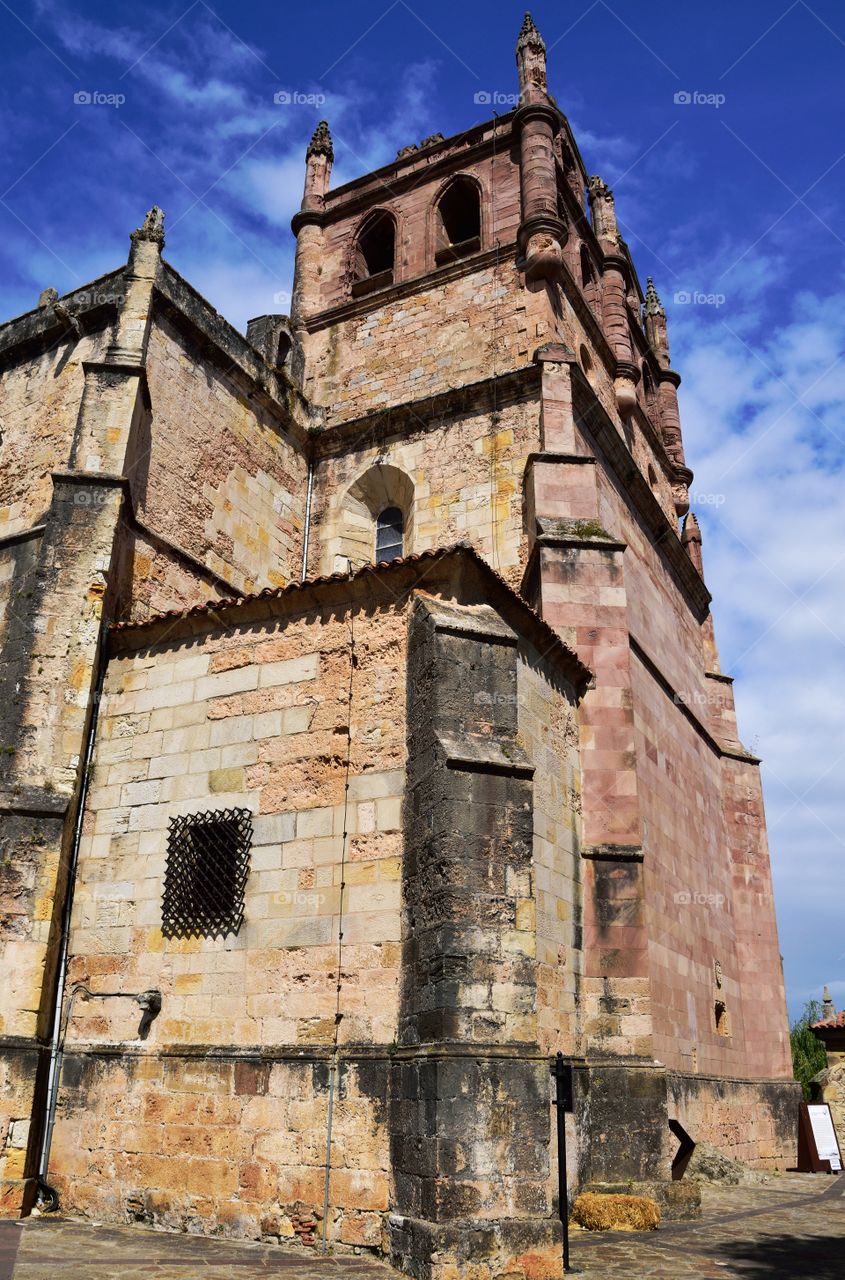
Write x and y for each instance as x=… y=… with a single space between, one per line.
x=792 y=1226
x=58 y=1249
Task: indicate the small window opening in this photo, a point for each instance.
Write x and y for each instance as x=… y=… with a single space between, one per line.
x=587 y=273
x=283 y=350
x=207 y=869
x=648 y=383
x=458 y=220
x=375 y=254
x=390 y=529
x=720 y=1014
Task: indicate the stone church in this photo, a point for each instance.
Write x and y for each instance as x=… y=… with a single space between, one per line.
x=364 y=739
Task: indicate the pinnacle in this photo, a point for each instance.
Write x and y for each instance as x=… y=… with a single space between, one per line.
x=152 y=228
x=321 y=141
x=692 y=531
x=529 y=34
x=653 y=305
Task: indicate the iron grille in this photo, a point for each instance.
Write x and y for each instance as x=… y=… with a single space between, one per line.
x=207 y=869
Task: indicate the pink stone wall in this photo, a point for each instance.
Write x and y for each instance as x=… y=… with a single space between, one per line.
x=702 y=829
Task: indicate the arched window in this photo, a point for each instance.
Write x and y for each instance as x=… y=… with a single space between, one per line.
x=283 y=349
x=648 y=384
x=587 y=274
x=390 y=529
x=458 y=221
x=375 y=253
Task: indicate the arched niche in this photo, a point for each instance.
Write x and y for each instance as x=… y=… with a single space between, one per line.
x=381 y=488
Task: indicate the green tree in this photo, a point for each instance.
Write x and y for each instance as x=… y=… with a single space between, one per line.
x=808 y=1055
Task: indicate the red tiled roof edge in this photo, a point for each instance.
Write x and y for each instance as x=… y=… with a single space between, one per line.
x=832 y=1024
x=580 y=674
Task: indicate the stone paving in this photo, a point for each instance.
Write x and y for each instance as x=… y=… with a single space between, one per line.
x=792 y=1226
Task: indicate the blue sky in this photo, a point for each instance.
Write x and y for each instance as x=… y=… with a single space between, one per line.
x=733 y=201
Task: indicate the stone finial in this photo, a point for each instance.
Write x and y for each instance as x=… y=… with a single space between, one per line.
x=152 y=228
x=656 y=326
x=321 y=142
x=603 y=208
x=828 y=1008
x=531 y=64
x=47 y=297
x=529 y=36
x=653 y=305
x=691 y=539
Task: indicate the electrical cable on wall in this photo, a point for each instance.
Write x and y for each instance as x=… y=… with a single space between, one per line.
x=494 y=417
x=334 y=1063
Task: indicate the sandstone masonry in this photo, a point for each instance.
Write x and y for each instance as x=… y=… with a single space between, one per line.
x=364 y=740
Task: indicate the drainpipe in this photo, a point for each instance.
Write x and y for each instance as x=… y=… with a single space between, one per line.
x=48 y=1192
x=307 y=518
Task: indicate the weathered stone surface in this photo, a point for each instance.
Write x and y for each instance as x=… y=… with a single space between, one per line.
x=470 y=849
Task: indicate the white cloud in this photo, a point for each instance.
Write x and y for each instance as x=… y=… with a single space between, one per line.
x=775 y=560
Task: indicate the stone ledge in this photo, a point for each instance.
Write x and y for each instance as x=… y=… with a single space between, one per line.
x=483 y=755
x=613 y=853
x=23 y=535
x=34 y=802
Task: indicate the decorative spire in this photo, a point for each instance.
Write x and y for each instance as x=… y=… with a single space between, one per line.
x=692 y=530
x=653 y=305
x=531 y=65
x=691 y=539
x=603 y=209
x=152 y=228
x=529 y=36
x=321 y=142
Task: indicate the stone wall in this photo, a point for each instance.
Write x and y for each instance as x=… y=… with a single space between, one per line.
x=219 y=1116
x=217 y=475
x=438 y=337
x=700 y=903
x=39 y=401
x=465 y=472
x=755 y=1121
x=213 y=1118
x=155 y=578
x=231 y=1143
x=549 y=730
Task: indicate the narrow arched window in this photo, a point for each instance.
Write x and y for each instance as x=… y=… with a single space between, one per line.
x=458 y=221
x=375 y=253
x=648 y=383
x=283 y=350
x=390 y=528
x=587 y=273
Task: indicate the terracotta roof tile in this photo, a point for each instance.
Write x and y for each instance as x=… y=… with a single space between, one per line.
x=832 y=1024
x=580 y=672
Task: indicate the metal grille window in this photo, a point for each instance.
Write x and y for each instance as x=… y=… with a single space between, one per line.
x=207 y=869
x=390 y=527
